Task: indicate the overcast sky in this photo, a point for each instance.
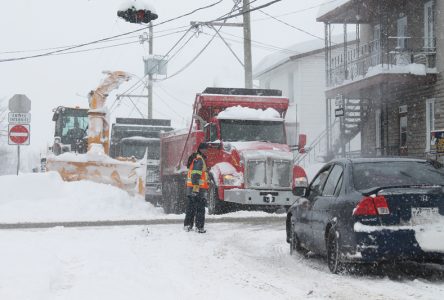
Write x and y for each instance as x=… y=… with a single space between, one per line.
x=66 y=79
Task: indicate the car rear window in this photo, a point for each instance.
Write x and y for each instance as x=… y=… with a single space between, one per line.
x=382 y=174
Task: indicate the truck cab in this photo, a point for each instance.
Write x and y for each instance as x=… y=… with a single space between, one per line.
x=250 y=163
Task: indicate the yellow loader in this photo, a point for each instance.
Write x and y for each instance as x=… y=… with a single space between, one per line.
x=81 y=143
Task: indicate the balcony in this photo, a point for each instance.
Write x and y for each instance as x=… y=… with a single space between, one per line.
x=363 y=62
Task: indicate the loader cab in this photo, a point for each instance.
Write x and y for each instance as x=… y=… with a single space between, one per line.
x=70 y=129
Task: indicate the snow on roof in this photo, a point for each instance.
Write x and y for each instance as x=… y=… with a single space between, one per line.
x=330 y=5
x=283 y=56
x=246 y=113
x=415 y=69
x=137 y=4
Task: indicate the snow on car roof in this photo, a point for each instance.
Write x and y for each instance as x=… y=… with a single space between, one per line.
x=246 y=113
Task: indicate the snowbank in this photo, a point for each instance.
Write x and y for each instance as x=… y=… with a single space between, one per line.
x=45 y=197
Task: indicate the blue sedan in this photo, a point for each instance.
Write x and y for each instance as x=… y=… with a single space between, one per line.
x=370 y=211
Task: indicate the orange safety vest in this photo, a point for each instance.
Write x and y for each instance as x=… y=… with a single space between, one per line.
x=203 y=182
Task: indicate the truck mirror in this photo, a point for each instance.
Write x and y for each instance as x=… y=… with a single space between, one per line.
x=302 y=142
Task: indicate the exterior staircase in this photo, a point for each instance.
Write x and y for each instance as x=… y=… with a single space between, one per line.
x=355 y=114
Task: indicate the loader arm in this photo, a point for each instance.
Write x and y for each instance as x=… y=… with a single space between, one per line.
x=96 y=165
x=98 y=129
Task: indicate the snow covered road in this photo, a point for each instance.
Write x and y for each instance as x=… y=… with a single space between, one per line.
x=231 y=261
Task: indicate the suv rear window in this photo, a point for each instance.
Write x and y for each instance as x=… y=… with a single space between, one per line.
x=382 y=174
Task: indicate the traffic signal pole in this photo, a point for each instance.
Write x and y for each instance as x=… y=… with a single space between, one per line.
x=150 y=76
x=248 y=64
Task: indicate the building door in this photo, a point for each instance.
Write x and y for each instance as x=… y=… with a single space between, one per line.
x=378 y=132
x=402 y=33
x=430 y=121
x=429 y=26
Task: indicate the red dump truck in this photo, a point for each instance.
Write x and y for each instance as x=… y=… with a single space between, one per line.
x=250 y=163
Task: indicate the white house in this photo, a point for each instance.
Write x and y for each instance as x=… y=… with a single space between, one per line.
x=300 y=73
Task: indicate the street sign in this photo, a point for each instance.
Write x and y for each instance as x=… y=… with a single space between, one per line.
x=18 y=134
x=437 y=142
x=339 y=112
x=19 y=104
x=19 y=118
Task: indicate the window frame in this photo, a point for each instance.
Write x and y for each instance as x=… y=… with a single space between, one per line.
x=430 y=123
x=339 y=179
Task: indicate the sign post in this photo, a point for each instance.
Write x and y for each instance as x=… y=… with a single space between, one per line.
x=19 y=118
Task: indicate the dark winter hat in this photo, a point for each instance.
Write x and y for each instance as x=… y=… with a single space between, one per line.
x=202 y=146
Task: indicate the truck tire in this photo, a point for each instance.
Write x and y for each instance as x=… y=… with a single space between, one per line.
x=215 y=205
x=178 y=205
x=166 y=197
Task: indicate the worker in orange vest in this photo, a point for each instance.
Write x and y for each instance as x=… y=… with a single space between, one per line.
x=197 y=190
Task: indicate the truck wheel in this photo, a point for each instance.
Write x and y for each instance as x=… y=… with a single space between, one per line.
x=166 y=201
x=215 y=206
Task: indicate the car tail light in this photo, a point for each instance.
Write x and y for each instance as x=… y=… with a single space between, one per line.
x=372 y=206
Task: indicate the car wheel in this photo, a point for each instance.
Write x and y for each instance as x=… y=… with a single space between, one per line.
x=333 y=253
x=295 y=244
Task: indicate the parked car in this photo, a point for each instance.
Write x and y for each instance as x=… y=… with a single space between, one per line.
x=370 y=211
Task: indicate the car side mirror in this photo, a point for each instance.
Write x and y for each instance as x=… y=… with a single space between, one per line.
x=300 y=191
x=300 y=187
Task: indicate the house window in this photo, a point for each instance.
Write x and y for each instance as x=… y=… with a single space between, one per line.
x=429 y=26
x=403 y=131
x=378 y=131
x=402 y=33
x=430 y=121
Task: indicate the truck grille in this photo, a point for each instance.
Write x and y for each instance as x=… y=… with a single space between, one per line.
x=269 y=174
x=152 y=174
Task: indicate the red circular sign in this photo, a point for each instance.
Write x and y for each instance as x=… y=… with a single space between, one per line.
x=19 y=134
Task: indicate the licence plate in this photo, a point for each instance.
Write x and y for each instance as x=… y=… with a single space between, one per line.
x=424 y=215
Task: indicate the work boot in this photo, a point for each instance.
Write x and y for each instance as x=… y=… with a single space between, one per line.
x=201 y=230
x=187 y=228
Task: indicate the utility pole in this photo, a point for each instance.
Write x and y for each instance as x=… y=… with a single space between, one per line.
x=248 y=64
x=150 y=76
x=246 y=25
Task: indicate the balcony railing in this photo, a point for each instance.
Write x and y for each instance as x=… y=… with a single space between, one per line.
x=357 y=61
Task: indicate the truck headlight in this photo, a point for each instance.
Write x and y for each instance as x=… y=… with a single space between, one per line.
x=232 y=179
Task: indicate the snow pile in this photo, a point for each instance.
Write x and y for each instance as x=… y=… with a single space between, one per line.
x=95 y=154
x=415 y=69
x=246 y=113
x=45 y=197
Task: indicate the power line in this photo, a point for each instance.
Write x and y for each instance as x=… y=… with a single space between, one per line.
x=111 y=37
x=247 y=11
x=296 y=11
x=117 y=39
x=138 y=83
x=292 y=26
